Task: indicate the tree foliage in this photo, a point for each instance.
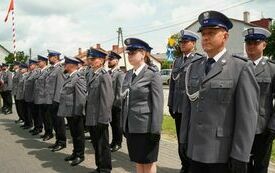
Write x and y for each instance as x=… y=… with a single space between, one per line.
x=20 y=56
x=166 y=64
x=270 y=48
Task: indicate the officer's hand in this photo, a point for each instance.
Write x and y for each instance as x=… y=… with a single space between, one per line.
x=101 y=125
x=237 y=166
x=171 y=112
x=154 y=137
x=270 y=135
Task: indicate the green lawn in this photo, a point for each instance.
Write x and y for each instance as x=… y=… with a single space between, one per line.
x=168 y=127
x=169 y=131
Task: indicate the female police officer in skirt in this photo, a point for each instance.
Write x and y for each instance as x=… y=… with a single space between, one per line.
x=142 y=107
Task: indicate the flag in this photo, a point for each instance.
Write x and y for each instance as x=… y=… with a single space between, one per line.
x=11 y=7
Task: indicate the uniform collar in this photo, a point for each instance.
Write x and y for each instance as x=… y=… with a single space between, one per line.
x=43 y=68
x=73 y=73
x=187 y=55
x=219 y=55
x=256 y=62
x=137 y=71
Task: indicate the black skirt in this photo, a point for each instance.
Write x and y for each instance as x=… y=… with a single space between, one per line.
x=142 y=148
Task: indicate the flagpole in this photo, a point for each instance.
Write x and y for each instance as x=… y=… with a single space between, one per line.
x=12 y=9
x=13 y=34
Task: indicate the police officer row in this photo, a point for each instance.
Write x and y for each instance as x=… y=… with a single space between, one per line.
x=87 y=95
x=223 y=103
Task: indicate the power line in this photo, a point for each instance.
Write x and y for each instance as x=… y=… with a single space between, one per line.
x=178 y=23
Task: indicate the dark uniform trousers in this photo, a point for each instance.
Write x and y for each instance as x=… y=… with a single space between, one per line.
x=116 y=125
x=260 y=154
x=37 y=119
x=7 y=100
x=17 y=107
x=22 y=110
x=100 y=139
x=181 y=151
x=198 y=167
x=58 y=124
x=29 y=114
x=77 y=132
x=44 y=112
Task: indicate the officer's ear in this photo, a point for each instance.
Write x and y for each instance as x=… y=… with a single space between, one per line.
x=226 y=35
x=264 y=44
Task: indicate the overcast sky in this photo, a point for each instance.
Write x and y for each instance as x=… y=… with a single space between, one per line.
x=66 y=25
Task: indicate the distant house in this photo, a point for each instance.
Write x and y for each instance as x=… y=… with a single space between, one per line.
x=235 y=43
x=123 y=62
x=3 y=53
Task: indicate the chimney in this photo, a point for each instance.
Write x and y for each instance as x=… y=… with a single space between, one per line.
x=79 y=51
x=115 y=48
x=246 y=17
x=97 y=46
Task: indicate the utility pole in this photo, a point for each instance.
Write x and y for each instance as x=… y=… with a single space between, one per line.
x=120 y=38
x=30 y=53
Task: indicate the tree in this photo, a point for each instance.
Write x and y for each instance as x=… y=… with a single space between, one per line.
x=173 y=44
x=20 y=56
x=166 y=64
x=270 y=48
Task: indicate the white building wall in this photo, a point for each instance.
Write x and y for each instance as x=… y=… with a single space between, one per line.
x=3 y=54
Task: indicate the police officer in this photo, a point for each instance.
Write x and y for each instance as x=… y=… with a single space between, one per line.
x=15 y=80
x=72 y=104
x=29 y=97
x=219 y=123
x=7 y=88
x=99 y=106
x=255 y=43
x=117 y=78
x=176 y=97
x=142 y=107
x=22 y=105
x=39 y=94
x=54 y=83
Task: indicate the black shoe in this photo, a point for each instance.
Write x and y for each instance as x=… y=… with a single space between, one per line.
x=115 y=148
x=24 y=125
x=43 y=136
x=47 y=137
x=32 y=130
x=27 y=127
x=58 y=147
x=8 y=112
x=36 y=132
x=77 y=161
x=18 y=121
x=52 y=146
x=69 y=158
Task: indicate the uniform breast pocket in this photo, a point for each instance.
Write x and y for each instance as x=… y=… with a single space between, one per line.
x=264 y=84
x=69 y=89
x=221 y=90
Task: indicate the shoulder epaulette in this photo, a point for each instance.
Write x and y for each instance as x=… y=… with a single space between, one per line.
x=271 y=61
x=197 y=57
x=153 y=68
x=240 y=57
x=103 y=71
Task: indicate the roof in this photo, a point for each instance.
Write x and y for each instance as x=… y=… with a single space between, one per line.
x=236 y=20
x=4 y=49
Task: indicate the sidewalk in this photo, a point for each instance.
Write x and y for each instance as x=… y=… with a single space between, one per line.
x=23 y=153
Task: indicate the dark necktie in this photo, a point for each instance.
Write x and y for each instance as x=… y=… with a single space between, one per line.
x=208 y=64
x=134 y=76
x=110 y=72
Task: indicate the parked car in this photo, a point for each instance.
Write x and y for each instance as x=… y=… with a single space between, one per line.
x=165 y=75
